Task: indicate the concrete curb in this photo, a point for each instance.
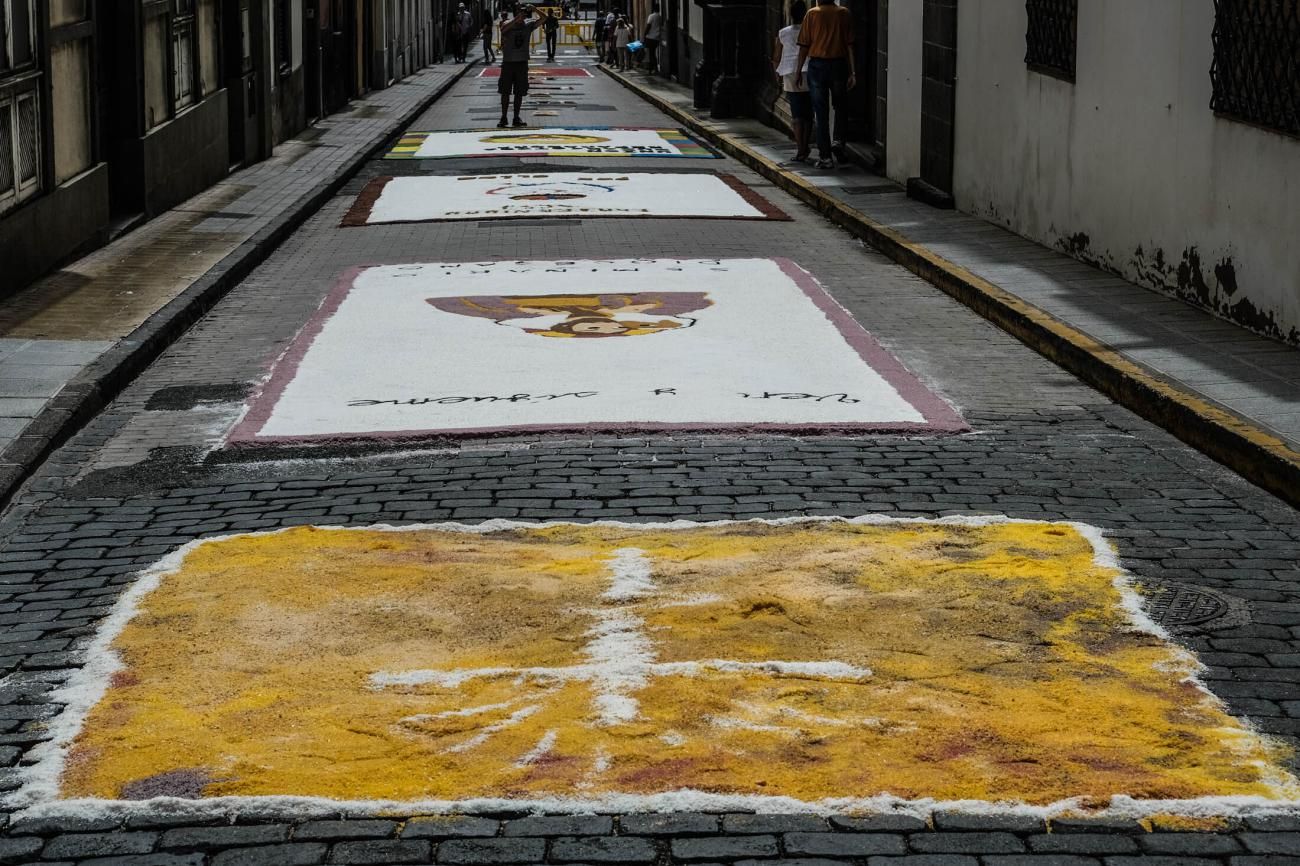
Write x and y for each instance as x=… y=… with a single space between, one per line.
x=1236 y=442
x=101 y=381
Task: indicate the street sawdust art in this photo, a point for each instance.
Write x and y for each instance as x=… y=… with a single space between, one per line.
x=789 y=662
x=568 y=141
x=658 y=344
x=566 y=194
x=542 y=72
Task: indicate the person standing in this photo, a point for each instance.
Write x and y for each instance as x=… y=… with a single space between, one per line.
x=516 y=41
x=826 y=43
x=611 y=55
x=622 y=36
x=489 y=56
x=551 y=28
x=465 y=25
x=598 y=36
x=654 y=34
x=453 y=38
x=784 y=55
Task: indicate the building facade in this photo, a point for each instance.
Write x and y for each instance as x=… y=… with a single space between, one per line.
x=113 y=111
x=1159 y=140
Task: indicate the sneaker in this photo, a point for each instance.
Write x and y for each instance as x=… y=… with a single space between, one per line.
x=824 y=163
x=519 y=121
x=502 y=124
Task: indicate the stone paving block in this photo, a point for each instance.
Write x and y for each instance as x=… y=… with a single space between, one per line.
x=965 y=843
x=560 y=825
x=1040 y=860
x=382 y=851
x=223 y=837
x=344 y=829
x=669 y=824
x=879 y=823
x=843 y=844
x=1271 y=843
x=1190 y=844
x=84 y=845
x=62 y=824
x=925 y=860
x=724 y=847
x=147 y=860
x=603 y=849
x=1083 y=843
x=473 y=852
x=1008 y=823
x=19 y=850
x=1159 y=860
x=450 y=826
x=741 y=823
x=291 y=854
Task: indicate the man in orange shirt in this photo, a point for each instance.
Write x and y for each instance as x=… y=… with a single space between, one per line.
x=826 y=42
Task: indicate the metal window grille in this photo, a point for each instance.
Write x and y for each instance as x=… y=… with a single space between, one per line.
x=1051 y=39
x=20 y=148
x=1256 y=71
x=7 y=172
x=283 y=37
x=183 y=62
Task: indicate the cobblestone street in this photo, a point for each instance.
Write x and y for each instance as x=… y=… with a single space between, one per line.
x=941 y=623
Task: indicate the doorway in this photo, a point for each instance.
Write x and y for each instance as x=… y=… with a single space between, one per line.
x=241 y=82
x=938 y=103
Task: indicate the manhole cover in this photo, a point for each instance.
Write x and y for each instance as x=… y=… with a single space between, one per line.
x=1180 y=605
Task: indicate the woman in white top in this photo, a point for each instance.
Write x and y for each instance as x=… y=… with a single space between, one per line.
x=785 y=54
x=622 y=36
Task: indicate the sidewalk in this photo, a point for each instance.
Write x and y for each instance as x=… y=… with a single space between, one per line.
x=1229 y=393
x=71 y=341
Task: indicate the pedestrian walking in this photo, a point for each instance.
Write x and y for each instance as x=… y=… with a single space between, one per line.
x=654 y=31
x=622 y=36
x=826 y=43
x=489 y=56
x=516 y=39
x=551 y=30
x=453 y=38
x=598 y=36
x=465 y=25
x=785 y=56
x=611 y=57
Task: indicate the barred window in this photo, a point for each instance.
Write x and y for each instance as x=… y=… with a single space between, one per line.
x=20 y=147
x=1256 y=71
x=1050 y=40
x=283 y=37
x=184 y=32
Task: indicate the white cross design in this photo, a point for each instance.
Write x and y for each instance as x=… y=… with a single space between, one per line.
x=620 y=661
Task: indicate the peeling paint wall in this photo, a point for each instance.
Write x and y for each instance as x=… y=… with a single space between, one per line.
x=1127 y=167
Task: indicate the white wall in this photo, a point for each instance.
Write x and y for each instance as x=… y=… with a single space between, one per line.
x=903 y=125
x=1128 y=167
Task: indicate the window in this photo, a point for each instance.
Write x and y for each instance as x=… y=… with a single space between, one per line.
x=17 y=34
x=20 y=115
x=1256 y=71
x=283 y=37
x=1050 y=40
x=183 y=49
x=20 y=147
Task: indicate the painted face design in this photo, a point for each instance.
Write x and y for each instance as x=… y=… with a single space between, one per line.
x=552 y=191
x=542 y=138
x=583 y=316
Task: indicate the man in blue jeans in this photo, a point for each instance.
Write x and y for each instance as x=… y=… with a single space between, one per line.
x=826 y=42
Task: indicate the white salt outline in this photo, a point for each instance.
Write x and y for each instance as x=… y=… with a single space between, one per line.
x=37 y=797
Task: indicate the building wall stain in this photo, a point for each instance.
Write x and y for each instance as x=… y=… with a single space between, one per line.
x=1212 y=288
